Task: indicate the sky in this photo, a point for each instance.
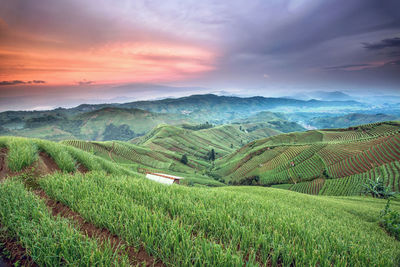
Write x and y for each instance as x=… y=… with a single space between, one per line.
x=63 y=53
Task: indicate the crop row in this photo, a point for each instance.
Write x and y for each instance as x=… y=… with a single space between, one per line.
x=23 y=152
x=194 y=226
x=376 y=155
x=352 y=185
x=50 y=241
x=304 y=171
x=310 y=187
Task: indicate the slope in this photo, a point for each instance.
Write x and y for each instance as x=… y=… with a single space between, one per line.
x=223 y=139
x=317 y=161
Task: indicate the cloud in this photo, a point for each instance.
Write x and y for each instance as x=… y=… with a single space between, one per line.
x=349 y=67
x=15 y=82
x=84 y=82
x=385 y=43
x=19 y=82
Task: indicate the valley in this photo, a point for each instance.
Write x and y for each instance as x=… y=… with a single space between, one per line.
x=257 y=191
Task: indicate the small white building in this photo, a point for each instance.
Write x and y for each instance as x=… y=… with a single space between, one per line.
x=163 y=178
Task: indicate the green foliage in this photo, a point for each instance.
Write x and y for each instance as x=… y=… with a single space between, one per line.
x=184 y=159
x=198 y=126
x=377 y=188
x=87 y=159
x=211 y=155
x=122 y=132
x=230 y=226
x=59 y=154
x=50 y=241
x=391 y=222
x=21 y=153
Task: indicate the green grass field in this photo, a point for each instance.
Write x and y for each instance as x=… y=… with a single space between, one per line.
x=311 y=215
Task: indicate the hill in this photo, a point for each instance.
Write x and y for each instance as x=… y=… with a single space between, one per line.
x=128 y=120
x=276 y=121
x=108 y=123
x=225 y=109
x=349 y=120
x=330 y=162
x=61 y=204
x=223 y=139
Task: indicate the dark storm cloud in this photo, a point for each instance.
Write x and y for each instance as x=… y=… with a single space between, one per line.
x=15 y=82
x=18 y=82
x=345 y=67
x=386 y=43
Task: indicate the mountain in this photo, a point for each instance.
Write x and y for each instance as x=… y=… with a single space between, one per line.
x=128 y=120
x=323 y=95
x=276 y=121
x=223 y=109
x=331 y=96
x=349 y=120
x=107 y=123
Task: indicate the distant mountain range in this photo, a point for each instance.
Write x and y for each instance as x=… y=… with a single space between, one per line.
x=350 y=120
x=322 y=95
x=128 y=120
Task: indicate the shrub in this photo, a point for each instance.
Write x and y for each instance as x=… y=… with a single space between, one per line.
x=391 y=222
x=377 y=188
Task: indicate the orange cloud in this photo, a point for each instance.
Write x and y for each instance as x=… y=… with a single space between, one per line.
x=111 y=63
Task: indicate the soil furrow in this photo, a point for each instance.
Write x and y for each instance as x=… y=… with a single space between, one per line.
x=12 y=253
x=101 y=234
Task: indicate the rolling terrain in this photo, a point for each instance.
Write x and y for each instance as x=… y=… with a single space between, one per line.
x=349 y=120
x=327 y=162
x=91 y=211
x=197 y=143
x=107 y=123
x=125 y=121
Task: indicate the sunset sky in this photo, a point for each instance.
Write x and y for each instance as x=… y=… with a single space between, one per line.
x=62 y=53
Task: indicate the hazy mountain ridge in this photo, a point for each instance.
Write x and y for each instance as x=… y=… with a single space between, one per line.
x=128 y=120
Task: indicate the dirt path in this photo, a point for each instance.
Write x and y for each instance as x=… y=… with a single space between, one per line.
x=101 y=234
x=46 y=165
x=3 y=165
x=18 y=254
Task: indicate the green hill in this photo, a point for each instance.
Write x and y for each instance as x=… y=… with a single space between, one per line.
x=61 y=205
x=276 y=121
x=198 y=143
x=108 y=123
x=329 y=162
x=128 y=120
x=349 y=120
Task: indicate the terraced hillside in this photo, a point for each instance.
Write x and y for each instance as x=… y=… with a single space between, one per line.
x=223 y=139
x=142 y=159
x=60 y=205
x=330 y=162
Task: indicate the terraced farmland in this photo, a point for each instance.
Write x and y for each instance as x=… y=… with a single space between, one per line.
x=223 y=139
x=342 y=158
x=140 y=157
x=108 y=215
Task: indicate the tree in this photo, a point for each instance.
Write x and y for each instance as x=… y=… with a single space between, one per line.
x=122 y=132
x=184 y=159
x=377 y=188
x=211 y=155
x=231 y=145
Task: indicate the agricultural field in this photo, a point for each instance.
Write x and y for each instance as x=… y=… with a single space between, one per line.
x=107 y=214
x=334 y=161
x=185 y=226
x=223 y=139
